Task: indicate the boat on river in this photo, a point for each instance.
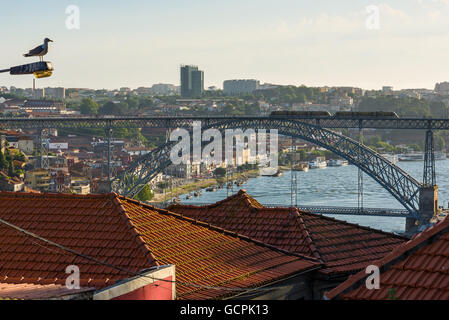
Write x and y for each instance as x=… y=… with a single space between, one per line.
x=337 y=163
x=318 y=163
x=303 y=166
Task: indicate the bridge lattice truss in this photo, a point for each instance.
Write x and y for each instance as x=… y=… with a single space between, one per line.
x=399 y=183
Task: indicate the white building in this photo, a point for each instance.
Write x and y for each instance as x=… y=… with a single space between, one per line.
x=163 y=89
x=442 y=88
x=387 y=89
x=240 y=86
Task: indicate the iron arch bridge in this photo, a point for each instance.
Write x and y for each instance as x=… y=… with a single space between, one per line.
x=396 y=181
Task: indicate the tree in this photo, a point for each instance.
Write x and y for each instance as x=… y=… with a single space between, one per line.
x=133 y=102
x=162 y=185
x=302 y=155
x=146 y=194
x=4 y=164
x=146 y=102
x=88 y=107
x=110 y=108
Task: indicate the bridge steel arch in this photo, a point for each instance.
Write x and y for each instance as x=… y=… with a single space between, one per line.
x=396 y=181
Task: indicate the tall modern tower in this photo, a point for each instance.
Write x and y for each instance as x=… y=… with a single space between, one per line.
x=192 y=82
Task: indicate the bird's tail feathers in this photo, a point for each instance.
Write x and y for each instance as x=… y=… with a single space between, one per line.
x=26 y=55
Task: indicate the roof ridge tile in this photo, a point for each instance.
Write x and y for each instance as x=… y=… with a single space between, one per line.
x=142 y=243
x=308 y=237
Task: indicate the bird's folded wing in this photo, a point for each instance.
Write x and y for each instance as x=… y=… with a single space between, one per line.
x=36 y=50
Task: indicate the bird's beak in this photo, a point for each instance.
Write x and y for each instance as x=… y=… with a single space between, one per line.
x=51 y=40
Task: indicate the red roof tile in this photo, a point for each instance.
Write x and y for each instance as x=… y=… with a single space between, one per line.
x=132 y=236
x=415 y=270
x=342 y=246
x=27 y=291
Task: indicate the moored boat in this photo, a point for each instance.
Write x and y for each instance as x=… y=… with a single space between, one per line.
x=337 y=163
x=412 y=156
x=303 y=166
x=318 y=163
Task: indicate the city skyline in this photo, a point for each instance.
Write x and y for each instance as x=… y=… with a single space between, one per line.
x=321 y=44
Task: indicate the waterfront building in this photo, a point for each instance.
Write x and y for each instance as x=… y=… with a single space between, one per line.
x=38 y=179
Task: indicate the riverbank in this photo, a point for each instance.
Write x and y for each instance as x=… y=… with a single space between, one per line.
x=201 y=184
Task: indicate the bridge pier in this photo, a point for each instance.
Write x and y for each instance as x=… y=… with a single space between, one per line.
x=43 y=144
x=429 y=176
x=428 y=192
x=428 y=208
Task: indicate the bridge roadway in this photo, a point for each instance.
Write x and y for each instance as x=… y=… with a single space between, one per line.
x=328 y=210
x=176 y=121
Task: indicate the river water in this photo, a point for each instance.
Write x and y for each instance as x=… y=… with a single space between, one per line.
x=334 y=186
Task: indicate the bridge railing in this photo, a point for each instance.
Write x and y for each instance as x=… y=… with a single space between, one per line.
x=327 y=210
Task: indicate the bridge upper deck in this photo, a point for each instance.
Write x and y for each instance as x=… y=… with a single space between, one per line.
x=175 y=121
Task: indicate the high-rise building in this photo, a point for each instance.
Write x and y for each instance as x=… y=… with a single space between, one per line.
x=442 y=88
x=192 y=82
x=59 y=93
x=39 y=93
x=55 y=93
x=197 y=83
x=240 y=86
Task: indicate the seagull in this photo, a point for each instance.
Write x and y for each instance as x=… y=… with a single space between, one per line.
x=39 y=50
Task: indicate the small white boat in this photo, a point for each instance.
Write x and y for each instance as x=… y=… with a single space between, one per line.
x=318 y=163
x=412 y=156
x=337 y=163
x=419 y=156
x=268 y=172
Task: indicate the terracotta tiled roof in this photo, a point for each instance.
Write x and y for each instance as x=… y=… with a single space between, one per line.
x=27 y=291
x=92 y=225
x=415 y=270
x=134 y=236
x=342 y=246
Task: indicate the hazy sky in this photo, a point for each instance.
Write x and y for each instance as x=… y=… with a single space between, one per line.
x=316 y=43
